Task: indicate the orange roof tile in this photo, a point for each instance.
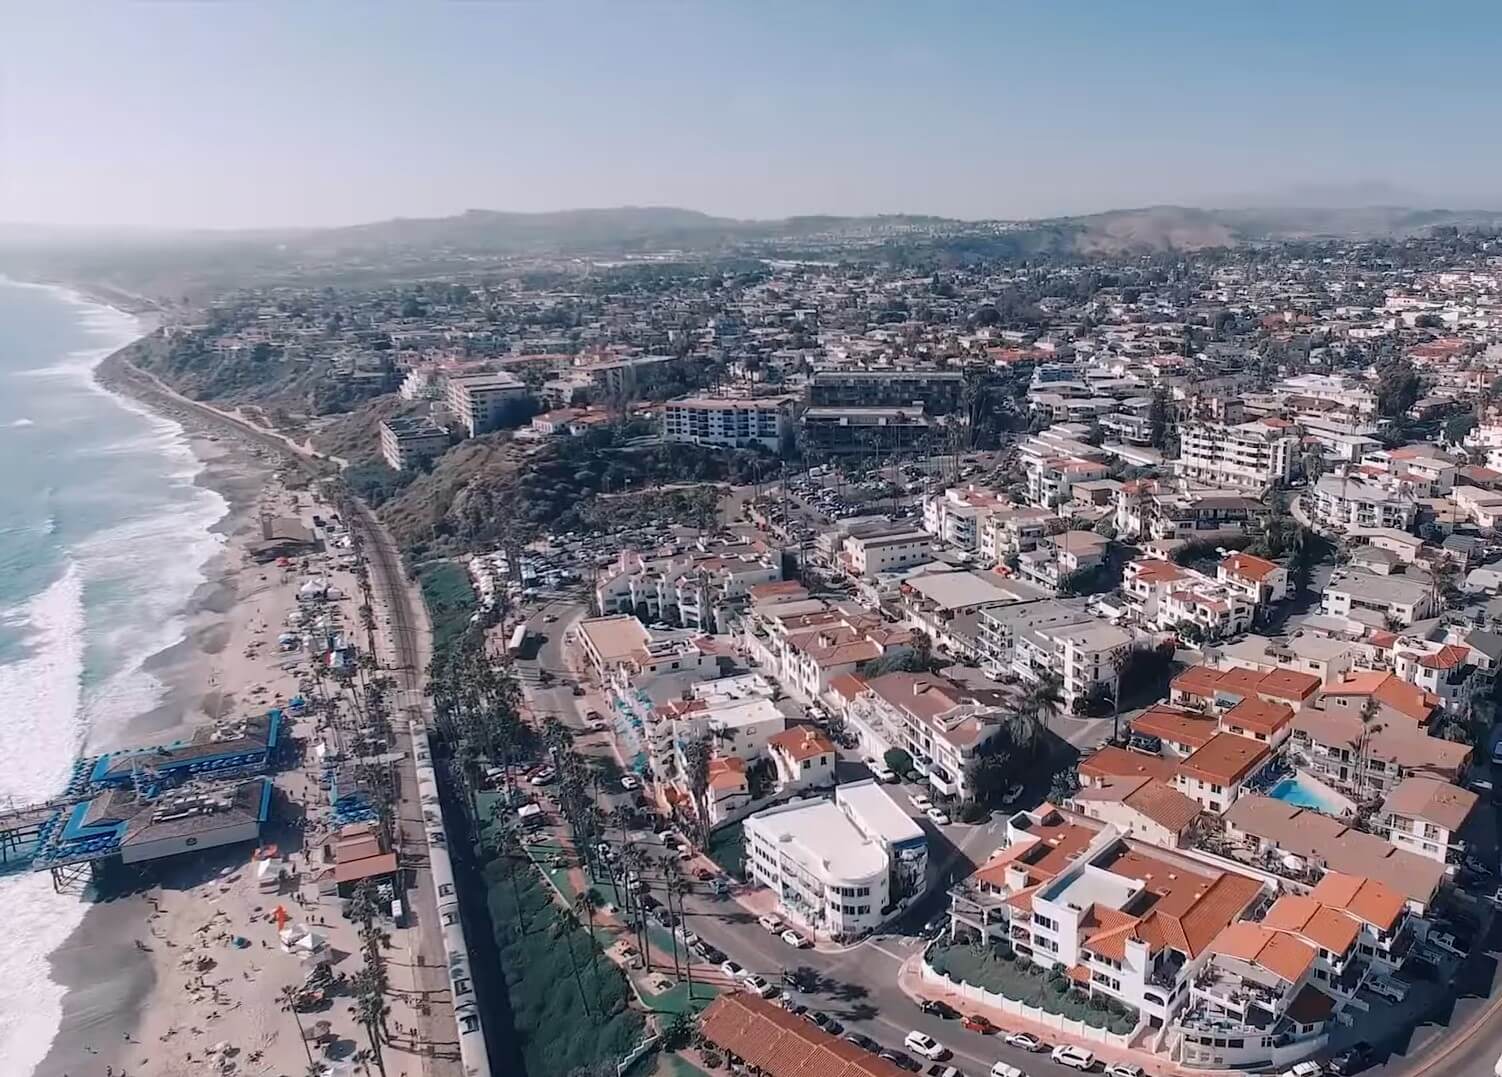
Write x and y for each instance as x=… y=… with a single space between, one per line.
x=801 y=742
x=1225 y=760
x=1249 y=567
x=1258 y=715
x=1366 y=899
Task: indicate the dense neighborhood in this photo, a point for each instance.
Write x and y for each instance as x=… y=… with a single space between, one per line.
x=1095 y=656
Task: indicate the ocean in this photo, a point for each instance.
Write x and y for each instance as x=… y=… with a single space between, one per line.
x=103 y=538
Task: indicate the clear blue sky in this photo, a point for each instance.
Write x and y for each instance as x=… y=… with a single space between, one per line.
x=258 y=114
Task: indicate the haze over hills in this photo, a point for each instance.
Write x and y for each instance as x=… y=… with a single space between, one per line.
x=204 y=262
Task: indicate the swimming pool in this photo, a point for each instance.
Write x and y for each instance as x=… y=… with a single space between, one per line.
x=1295 y=790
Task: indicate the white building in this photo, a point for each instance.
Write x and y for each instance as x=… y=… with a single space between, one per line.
x=1377 y=600
x=839 y=867
x=480 y=401
x=1426 y=815
x=931 y=718
x=957 y=516
x=1347 y=501
x=405 y=443
x=870 y=556
x=1250 y=456
x=729 y=421
x=697 y=588
x=1059 y=637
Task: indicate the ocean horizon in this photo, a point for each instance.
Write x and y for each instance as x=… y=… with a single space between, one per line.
x=104 y=535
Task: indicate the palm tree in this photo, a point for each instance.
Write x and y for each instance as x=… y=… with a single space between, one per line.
x=587 y=902
x=696 y=753
x=287 y=998
x=1041 y=702
x=370 y=1011
x=677 y=885
x=564 y=928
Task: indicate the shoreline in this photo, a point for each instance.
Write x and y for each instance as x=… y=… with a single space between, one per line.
x=108 y=982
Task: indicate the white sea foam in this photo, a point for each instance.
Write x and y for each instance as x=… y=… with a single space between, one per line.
x=149 y=566
x=41 y=693
x=18 y=423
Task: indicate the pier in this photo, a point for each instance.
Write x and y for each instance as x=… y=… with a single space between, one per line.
x=143 y=804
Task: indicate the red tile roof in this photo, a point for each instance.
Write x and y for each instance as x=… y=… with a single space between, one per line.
x=782 y=1044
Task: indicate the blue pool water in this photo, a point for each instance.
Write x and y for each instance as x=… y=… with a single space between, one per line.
x=1296 y=791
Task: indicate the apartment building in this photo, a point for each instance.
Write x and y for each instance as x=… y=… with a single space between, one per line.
x=1152 y=510
x=929 y=390
x=807 y=644
x=1059 y=637
x=1007 y=532
x=1126 y=920
x=1262 y=581
x=839 y=431
x=620 y=650
x=1057 y=557
x=842 y=866
x=957 y=516
x=947 y=605
x=1379 y=601
x=1170 y=597
x=1215 y=774
x=1426 y=815
x=406 y=443
x=1251 y=456
x=1283 y=837
x=702 y=587
x=1450 y=672
x=737 y=714
x=805 y=758
x=729 y=421
x=1347 y=501
x=869 y=556
x=935 y=720
x=480 y=402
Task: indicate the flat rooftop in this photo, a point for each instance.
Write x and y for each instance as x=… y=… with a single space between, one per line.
x=818 y=834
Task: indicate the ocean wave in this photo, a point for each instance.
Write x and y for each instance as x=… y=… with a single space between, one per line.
x=42 y=693
x=16 y=424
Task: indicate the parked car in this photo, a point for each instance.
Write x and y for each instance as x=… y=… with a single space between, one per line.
x=1353 y=1059
x=938 y=815
x=1307 y=1068
x=1445 y=943
x=864 y=1042
x=795 y=940
x=1123 y=1069
x=1006 y=1069
x=760 y=986
x=704 y=875
x=709 y=953
x=1388 y=988
x=1076 y=1058
x=900 y=1060
x=921 y=1043
x=938 y=1069
x=732 y=969
x=939 y=1009
x=630 y=781
x=920 y=801
x=979 y=1023
x=1025 y=1041
x=770 y=923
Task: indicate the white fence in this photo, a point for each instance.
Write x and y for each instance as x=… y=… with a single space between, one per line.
x=1057 y=1022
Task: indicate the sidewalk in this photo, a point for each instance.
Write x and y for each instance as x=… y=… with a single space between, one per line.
x=910 y=981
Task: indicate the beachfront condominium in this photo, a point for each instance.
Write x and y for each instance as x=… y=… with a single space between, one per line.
x=839 y=867
x=728 y=421
x=407 y=442
x=481 y=402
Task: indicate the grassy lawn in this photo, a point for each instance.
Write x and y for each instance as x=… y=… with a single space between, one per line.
x=727 y=848
x=568 y=1001
x=677 y=1000
x=1025 y=982
x=450 y=600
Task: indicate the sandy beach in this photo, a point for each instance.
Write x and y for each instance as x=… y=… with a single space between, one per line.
x=190 y=959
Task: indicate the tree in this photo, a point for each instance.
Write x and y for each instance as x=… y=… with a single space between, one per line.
x=1397 y=387
x=288 y=998
x=565 y=928
x=897 y=760
x=1458 y=426
x=696 y=755
x=923 y=650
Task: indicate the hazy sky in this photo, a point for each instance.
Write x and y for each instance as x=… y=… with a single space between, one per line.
x=250 y=114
